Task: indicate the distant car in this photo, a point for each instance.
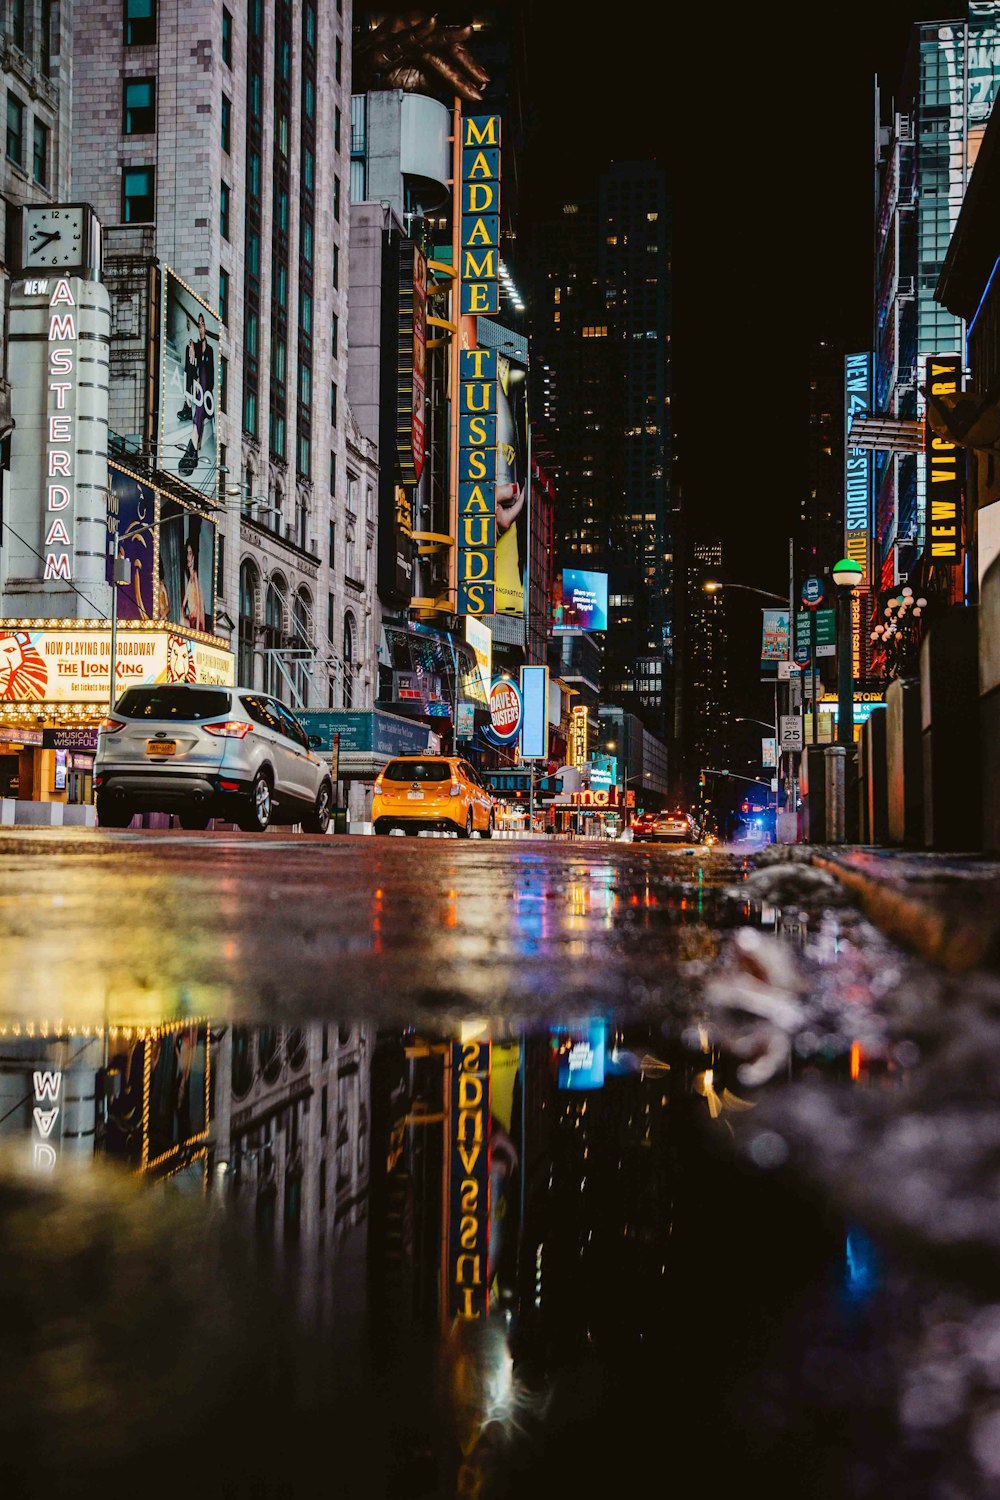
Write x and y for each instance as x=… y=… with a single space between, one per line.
x=676 y=827
x=432 y=793
x=209 y=752
x=642 y=828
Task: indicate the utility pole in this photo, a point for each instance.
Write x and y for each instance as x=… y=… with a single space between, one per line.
x=790 y=783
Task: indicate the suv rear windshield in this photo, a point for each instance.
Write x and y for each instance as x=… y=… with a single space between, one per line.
x=417 y=770
x=185 y=703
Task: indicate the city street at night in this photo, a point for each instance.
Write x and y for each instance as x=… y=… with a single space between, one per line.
x=499 y=751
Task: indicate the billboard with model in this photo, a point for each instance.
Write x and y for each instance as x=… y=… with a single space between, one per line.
x=189 y=364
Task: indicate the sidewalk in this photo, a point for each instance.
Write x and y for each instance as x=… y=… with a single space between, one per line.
x=944 y=907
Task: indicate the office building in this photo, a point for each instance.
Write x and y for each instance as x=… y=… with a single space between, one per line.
x=927 y=146
x=216 y=140
x=36 y=76
x=709 y=709
x=602 y=319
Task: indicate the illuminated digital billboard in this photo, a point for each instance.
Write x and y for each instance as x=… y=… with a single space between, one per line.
x=580 y=601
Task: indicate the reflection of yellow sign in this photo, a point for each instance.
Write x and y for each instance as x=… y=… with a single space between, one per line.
x=578 y=736
x=53 y=665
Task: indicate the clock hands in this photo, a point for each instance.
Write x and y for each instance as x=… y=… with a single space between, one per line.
x=44 y=240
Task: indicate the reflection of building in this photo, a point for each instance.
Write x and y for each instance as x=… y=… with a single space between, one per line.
x=291 y=1129
x=139 y=1095
x=232 y=167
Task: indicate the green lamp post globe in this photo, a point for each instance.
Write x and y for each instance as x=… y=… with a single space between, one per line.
x=847 y=574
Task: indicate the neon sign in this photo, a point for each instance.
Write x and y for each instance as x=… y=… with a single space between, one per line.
x=480 y=242
x=477 y=474
x=59 y=435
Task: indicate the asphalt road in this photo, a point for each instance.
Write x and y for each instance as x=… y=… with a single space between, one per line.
x=136 y=927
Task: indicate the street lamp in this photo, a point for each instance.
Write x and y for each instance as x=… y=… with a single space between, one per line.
x=846 y=575
x=713 y=585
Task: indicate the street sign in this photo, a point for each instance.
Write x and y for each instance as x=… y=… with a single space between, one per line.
x=787 y=669
x=825 y=621
x=812 y=592
x=802 y=655
x=791 y=732
x=769 y=751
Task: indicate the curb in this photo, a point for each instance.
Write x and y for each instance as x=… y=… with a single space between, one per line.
x=955 y=943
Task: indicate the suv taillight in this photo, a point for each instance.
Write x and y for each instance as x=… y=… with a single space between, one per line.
x=110 y=726
x=229 y=729
x=456 y=789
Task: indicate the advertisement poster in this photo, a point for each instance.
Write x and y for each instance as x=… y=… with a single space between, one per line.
x=580 y=601
x=132 y=512
x=775 y=643
x=512 y=486
x=480 y=638
x=186 y=587
x=74 y=666
x=189 y=364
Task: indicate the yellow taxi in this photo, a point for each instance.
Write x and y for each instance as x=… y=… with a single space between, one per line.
x=433 y=793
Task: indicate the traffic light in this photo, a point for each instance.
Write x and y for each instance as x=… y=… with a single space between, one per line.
x=746 y=807
x=701 y=779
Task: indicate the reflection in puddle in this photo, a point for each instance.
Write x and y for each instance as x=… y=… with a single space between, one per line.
x=465 y=1255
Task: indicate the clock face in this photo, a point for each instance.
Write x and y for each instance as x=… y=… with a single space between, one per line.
x=54 y=237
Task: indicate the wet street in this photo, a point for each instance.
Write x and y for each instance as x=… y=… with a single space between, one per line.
x=423 y=1168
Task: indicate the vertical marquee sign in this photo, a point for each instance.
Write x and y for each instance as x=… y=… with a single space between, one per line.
x=469 y=1216
x=944 y=470
x=857 y=466
x=477 y=475
x=859 y=487
x=480 y=241
x=58 y=345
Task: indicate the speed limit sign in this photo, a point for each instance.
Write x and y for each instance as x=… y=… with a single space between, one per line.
x=791 y=732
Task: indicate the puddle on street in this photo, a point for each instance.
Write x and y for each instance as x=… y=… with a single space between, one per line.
x=452 y=1258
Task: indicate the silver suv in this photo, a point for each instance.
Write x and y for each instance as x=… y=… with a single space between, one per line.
x=209 y=752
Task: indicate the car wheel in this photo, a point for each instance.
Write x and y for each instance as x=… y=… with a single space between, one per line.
x=317 y=820
x=256 y=814
x=466 y=832
x=113 y=814
x=194 y=819
x=487 y=832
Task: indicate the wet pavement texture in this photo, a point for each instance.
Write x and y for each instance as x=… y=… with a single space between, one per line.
x=416 y=1168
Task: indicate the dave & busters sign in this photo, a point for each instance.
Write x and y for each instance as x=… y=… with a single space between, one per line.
x=505 y=711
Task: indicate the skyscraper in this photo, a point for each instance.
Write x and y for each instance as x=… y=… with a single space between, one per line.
x=709 y=715
x=36 y=76
x=602 y=320
x=217 y=140
x=925 y=153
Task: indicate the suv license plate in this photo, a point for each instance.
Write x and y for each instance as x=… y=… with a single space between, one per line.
x=415 y=796
x=161 y=747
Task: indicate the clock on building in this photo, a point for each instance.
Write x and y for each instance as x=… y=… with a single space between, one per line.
x=59 y=236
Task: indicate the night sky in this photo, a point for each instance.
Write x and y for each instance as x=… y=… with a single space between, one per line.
x=770 y=167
